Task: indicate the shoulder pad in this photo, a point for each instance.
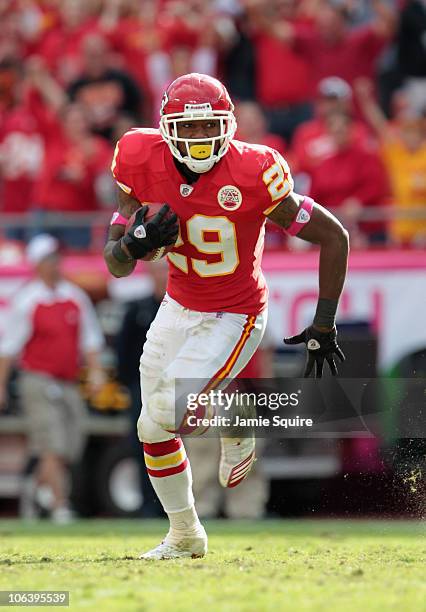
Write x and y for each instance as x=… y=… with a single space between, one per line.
x=251 y=161
x=134 y=148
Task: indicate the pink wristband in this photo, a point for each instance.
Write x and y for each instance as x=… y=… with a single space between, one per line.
x=118 y=219
x=302 y=218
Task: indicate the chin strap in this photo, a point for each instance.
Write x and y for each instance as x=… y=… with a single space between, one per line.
x=197 y=168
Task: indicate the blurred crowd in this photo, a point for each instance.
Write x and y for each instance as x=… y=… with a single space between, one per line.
x=337 y=86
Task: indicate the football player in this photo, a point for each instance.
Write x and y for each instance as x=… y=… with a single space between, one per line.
x=213 y=317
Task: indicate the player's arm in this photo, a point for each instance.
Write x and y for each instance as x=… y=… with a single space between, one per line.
x=311 y=222
x=127 y=205
x=325 y=230
x=123 y=249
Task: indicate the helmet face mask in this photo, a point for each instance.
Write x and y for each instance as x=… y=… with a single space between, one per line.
x=194 y=98
x=200 y=154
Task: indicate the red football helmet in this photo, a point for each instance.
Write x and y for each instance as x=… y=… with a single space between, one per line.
x=197 y=97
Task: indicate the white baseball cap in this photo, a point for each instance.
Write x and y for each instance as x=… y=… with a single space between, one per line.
x=41 y=247
x=334 y=87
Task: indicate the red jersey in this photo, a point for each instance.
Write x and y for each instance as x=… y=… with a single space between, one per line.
x=215 y=264
x=312 y=144
x=354 y=56
x=369 y=184
x=61 y=49
x=50 y=328
x=21 y=158
x=294 y=87
x=69 y=171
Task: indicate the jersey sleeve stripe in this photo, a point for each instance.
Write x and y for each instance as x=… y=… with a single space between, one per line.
x=273 y=207
x=124 y=187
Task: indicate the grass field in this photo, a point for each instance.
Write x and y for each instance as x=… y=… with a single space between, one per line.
x=255 y=566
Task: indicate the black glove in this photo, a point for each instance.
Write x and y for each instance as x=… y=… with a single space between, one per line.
x=145 y=236
x=320 y=346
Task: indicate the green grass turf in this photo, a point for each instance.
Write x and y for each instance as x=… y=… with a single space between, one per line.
x=255 y=566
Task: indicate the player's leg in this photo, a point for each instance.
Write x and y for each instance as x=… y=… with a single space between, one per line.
x=237 y=455
x=217 y=348
x=207 y=491
x=167 y=465
x=249 y=499
x=214 y=348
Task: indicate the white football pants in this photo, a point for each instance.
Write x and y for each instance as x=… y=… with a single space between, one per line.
x=186 y=344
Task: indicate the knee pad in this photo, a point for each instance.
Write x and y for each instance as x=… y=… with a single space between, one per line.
x=161 y=407
x=151 y=432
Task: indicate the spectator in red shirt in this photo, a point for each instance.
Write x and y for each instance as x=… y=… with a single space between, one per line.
x=332 y=48
x=252 y=127
x=104 y=91
x=74 y=158
x=21 y=148
x=52 y=326
x=312 y=141
x=281 y=73
x=192 y=35
x=351 y=179
x=132 y=29
x=61 y=46
x=11 y=44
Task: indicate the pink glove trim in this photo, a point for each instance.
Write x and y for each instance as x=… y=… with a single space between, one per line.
x=303 y=216
x=118 y=219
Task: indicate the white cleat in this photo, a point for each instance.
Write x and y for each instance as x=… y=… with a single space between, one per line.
x=62 y=516
x=236 y=460
x=193 y=547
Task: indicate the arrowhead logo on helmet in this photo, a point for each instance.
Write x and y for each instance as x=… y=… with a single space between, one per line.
x=197 y=97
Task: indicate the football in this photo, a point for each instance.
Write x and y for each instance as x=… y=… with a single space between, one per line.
x=153 y=209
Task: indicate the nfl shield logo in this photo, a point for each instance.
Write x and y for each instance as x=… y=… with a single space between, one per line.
x=303 y=216
x=186 y=190
x=140 y=232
